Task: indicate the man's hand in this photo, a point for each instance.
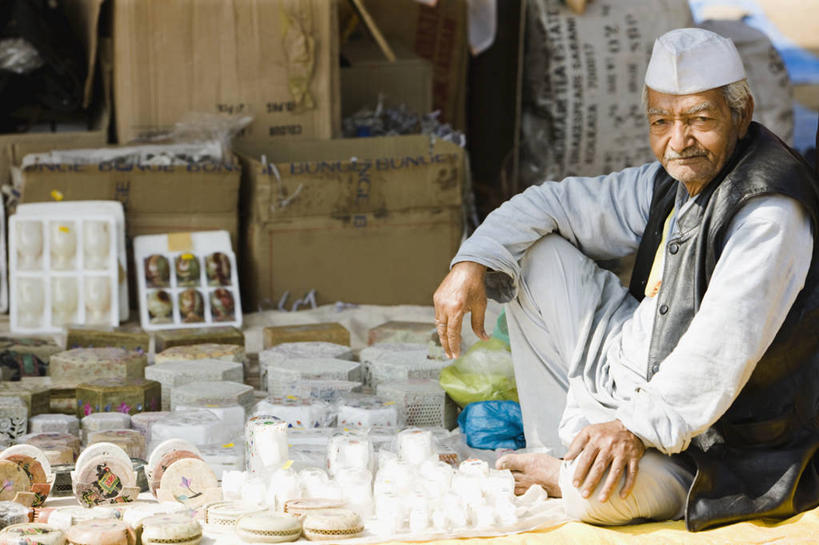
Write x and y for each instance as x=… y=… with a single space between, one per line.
x=605 y=446
x=460 y=292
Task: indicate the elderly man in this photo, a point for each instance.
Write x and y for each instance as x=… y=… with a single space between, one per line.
x=695 y=392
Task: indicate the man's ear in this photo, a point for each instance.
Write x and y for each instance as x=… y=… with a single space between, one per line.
x=747 y=116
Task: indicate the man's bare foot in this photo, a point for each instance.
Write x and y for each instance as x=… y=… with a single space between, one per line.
x=532 y=469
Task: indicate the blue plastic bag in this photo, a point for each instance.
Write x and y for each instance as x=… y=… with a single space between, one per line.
x=492 y=424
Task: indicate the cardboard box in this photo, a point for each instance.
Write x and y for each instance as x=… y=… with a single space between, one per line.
x=438 y=34
x=83 y=16
x=367 y=220
x=276 y=60
x=408 y=80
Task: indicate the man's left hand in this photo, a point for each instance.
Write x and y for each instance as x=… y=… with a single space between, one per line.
x=600 y=447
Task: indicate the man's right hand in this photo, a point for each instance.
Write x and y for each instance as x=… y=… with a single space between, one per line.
x=461 y=291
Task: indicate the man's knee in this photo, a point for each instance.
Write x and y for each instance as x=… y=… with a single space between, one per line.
x=659 y=494
x=546 y=256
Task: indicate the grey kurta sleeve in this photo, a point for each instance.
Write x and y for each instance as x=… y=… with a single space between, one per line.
x=604 y=217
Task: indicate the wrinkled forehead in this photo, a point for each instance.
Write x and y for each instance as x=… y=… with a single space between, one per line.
x=711 y=101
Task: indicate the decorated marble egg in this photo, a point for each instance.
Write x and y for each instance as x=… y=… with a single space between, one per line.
x=157 y=271
x=187 y=270
x=217 y=268
x=191 y=306
x=160 y=307
x=222 y=306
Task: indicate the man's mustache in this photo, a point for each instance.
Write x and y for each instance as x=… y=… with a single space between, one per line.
x=685 y=154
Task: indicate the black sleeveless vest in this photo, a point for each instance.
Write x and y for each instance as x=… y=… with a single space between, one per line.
x=760 y=458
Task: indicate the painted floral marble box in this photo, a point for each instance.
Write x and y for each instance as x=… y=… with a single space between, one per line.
x=227 y=352
x=168 y=338
x=135 y=340
x=86 y=364
x=13 y=417
x=35 y=397
x=132 y=395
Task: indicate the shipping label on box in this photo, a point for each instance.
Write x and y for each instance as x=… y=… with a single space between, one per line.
x=372 y=220
x=274 y=60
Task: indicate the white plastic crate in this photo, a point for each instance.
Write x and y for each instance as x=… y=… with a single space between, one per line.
x=420 y=402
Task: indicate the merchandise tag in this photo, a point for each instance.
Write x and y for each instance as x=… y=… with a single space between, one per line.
x=227 y=445
x=56 y=195
x=287 y=464
x=64 y=229
x=180 y=242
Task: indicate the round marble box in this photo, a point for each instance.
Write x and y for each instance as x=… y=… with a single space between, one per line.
x=227 y=352
x=101 y=532
x=85 y=364
x=31 y=533
x=268 y=527
x=178 y=528
x=218 y=394
x=333 y=524
x=191 y=482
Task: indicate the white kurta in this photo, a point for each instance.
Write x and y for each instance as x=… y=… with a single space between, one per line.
x=760 y=272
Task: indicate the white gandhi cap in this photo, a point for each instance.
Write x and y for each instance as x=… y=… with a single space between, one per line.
x=692 y=60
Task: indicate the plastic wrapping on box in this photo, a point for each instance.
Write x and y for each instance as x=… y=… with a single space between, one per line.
x=347 y=451
x=177 y=373
x=297 y=412
x=54 y=423
x=291 y=370
x=104 y=421
x=216 y=393
x=131 y=441
x=300 y=350
x=328 y=390
x=199 y=427
x=363 y=411
x=266 y=447
x=385 y=365
x=231 y=415
x=142 y=422
x=224 y=457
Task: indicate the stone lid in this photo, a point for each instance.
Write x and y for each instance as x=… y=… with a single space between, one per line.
x=264 y=525
x=101 y=532
x=170 y=528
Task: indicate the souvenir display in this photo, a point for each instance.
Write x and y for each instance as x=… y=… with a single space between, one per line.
x=403 y=332
x=265 y=445
x=293 y=370
x=205 y=351
x=300 y=350
x=420 y=402
x=133 y=339
x=101 y=532
x=129 y=395
x=13 y=417
x=168 y=338
x=104 y=421
x=268 y=527
x=66 y=269
x=362 y=411
x=331 y=332
x=54 y=423
x=26 y=356
x=200 y=427
x=85 y=364
x=12 y=513
x=35 y=396
x=104 y=474
x=131 y=441
x=174 y=374
x=31 y=533
x=179 y=529
x=187 y=280
x=216 y=393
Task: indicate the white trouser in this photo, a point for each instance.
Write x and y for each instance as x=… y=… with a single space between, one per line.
x=566 y=308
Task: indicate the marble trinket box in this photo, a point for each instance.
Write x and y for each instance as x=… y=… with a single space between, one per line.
x=204 y=351
x=85 y=364
x=132 y=339
x=130 y=395
x=173 y=374
x=331 y=332
x=168 y=338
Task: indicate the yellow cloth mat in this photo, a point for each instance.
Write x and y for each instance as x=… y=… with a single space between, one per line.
x=797 y=530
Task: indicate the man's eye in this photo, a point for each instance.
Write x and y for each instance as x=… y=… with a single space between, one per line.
x=658 y=122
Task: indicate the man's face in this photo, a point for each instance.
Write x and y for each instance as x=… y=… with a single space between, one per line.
x=691 y=135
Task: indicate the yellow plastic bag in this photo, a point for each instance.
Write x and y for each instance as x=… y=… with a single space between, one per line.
x=483 y=373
